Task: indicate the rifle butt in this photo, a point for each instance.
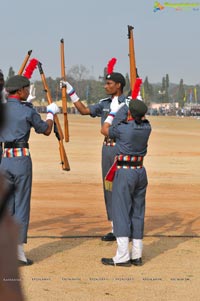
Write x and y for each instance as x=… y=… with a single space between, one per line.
x=63 y=156
x=66 y=128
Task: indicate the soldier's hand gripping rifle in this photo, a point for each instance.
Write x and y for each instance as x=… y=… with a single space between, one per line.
x=64 y=97
x=58 y=129
x=21 y=70
x=133 y=71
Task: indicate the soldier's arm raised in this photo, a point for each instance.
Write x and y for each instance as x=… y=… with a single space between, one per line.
x=75 y=99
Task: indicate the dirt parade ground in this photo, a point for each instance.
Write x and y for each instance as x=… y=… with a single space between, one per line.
x=68 y=218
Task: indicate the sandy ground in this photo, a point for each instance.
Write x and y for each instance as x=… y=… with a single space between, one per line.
x=68 y=217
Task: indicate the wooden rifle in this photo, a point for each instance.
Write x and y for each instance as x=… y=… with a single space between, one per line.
x=21 y=70
x=57 y=127
x=64 y=97
x=133 y=71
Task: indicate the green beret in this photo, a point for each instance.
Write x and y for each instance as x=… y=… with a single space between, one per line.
x=137 y=108
x=117 y=78
x=16 y=83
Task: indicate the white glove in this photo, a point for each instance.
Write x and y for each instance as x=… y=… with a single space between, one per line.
x=139 y=96
x=70 y=91
x=115 y=107
x=52 y=109
x=31 y=94
x=114 y=104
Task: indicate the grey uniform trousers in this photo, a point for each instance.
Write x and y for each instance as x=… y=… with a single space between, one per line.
x=19 y=172
x=128 y=202
x=108 y=156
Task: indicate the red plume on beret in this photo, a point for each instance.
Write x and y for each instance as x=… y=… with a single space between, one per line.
x=30 y=68
x=136 y=88
x=110 y=65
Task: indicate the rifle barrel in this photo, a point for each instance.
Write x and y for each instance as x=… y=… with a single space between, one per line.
x=131 y=57
x=64 y=98
x=21 y=70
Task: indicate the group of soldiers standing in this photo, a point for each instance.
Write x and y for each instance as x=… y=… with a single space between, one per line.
x=126 y=132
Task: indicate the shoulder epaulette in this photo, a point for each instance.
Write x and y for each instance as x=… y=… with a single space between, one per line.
x=28 y=104
x=104 y=99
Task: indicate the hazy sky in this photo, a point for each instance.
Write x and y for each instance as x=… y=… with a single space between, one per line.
x=94 y=31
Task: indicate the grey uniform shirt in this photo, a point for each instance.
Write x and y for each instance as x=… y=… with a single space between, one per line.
x=102 y=108
x=131 y=138
x=20 y=118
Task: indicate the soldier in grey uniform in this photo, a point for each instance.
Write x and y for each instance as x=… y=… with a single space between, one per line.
x=16 y=160
x=130 y=182
x=115 y=82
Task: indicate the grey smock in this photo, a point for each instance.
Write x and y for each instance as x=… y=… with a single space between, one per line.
x=129 y=185
x=102 y=109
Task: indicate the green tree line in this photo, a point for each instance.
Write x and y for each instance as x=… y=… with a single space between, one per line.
x=92 y=90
